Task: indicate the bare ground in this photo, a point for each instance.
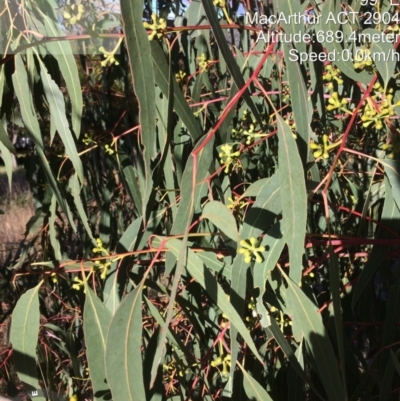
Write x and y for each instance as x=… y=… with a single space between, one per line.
x=16 y=208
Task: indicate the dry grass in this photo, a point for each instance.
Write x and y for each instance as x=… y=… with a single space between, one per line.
x=18 y=208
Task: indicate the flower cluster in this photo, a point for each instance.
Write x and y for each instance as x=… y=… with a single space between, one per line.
x=250 y=249
x=225 y=362
x=237 y=206
x=102 y=265
x=109 y=150
x=323 y=150
x=393 y=28
x=180 y=77
x=281 y=319
x=285 y=94
x=222 y=4
x=377 y=115
x=332 y=74
x=254 y=318
x=363 y=59
x=392 y=149
x=228 y=157
x=88 y=139
x=109 y=57
x=73 y=14
x=203 y=62
x=292 y=125
x=336 y=104
x=236 y=203
x=78 y=284
x=157 y=28
x=246 y=129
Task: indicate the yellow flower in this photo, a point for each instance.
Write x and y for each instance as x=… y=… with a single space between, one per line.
x=250 y=249
x=203 y=62
x=236 y=203
x=79 y=284
x=109 y=57
x=99 y=248
x=180 y=76
x=108 y=149
x=73 y=14
x=363 y=58
x=323 y=150
x=157 y=28
x=333 y=73
x=227 y=156
x=88 y=139
x=54 y=278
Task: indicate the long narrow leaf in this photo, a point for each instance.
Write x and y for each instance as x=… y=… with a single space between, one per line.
x=123 y=358
x=306 y=318
x=294 y=197
x=96 y=320
x=144 y=84
x=57 y=109
x=24 y=337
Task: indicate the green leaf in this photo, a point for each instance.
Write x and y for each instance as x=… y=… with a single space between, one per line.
x=57 y=109
x=203 y=165
x=75 y=189
x=222 y=218
x=7 y=156
x=52 y=229
x=226 y=52
x=290 y=8
x=183 y=110
x=211 y=261
x=392 y=316
x=164 y=116
x=299 y=99
x=203 y=276
x=144 y=84
x=24 y=95
x=293 y=197
x=274 y=244
x=295 y=383
x=5 y=140
x=110 y=294
x=274 y=331
x=255 y=187
x=253 y=388
x=129 y=179
x=258 y=219
x=393 y=175
x=62 y=52
x=329 y=24
x=265 y=209
x=123 y=359
x=390 y=216
x=195 y=16
x=96 y=321
x=127 y=242
x=395 y=361
x=335 y=284
x=384 y=57
x=309 y=321
x=386 y=384
x=24 y=337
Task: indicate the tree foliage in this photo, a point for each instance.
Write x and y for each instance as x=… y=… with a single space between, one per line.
x=215 y=216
